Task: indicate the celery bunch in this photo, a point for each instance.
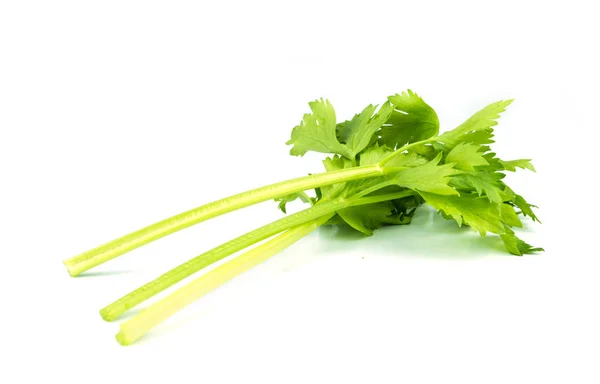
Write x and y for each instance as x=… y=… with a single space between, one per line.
x=384 y=163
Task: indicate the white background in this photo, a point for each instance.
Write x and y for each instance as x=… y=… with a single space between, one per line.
x=117 y=114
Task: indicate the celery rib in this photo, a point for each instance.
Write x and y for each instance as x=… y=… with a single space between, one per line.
x=87 y=260
x=136 y=327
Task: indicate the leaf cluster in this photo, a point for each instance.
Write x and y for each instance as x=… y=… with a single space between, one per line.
x=455 y=172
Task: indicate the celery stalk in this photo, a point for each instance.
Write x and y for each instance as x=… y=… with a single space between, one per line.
x=136 y=327
x=87 y=260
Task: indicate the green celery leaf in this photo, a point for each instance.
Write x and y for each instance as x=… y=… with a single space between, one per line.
x=511 y=197
x=317 y=132
x=509 y=216
x=358 y=122
x=369 y=217
x=494 y=163
x=336 y=163
x=478 y=128
x=508 y=195
x=358 y=132
x=410 y=159
x=412 y=120
x=408 y=205
x=517 y=246
x=466 y=156
x=483 y=182
x=477 y=212
x=376 y=153
x=481 y=137
x=512 y=165
x=336 y=220
x=431 y=177
x=525 y=207
x=289 y=198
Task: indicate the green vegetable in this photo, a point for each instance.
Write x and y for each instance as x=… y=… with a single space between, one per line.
x=186 y=269
x=108 y=251
x=137 y=326
x=384 y=163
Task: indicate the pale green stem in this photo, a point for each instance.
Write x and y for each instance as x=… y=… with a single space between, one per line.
x=110 y=250
x=133 y=329
x=186 y=269
x=375 y=188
